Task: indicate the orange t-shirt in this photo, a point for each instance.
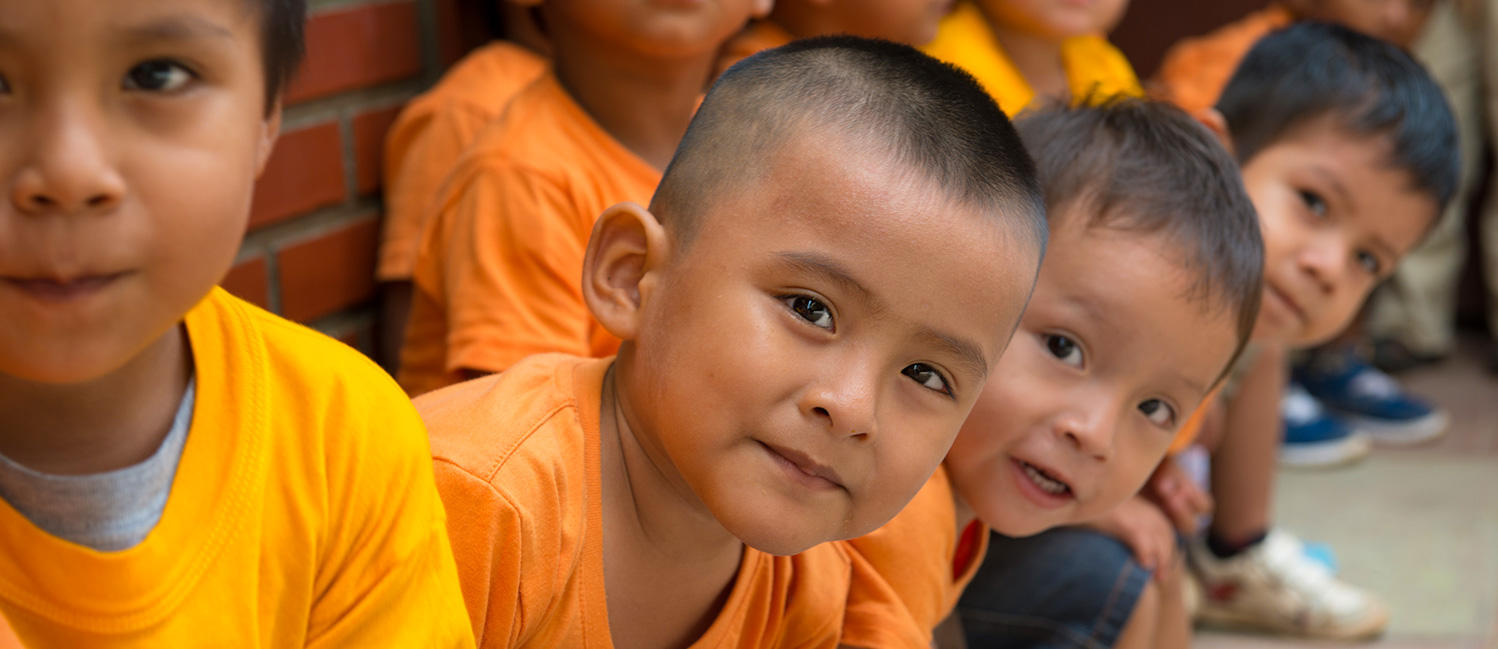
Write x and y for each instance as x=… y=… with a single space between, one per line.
x=758 y=36
x=499 y=274
x=430 y=136
x=917 y=555
x=1196 y=70
x=517 y=459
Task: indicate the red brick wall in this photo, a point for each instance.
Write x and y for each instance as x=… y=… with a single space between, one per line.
x=309 y=253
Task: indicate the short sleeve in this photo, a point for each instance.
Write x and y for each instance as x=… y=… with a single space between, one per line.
x=485 y=535
x=423 y=147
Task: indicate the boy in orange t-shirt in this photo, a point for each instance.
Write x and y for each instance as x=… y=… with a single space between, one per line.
x=789 y=374
x=497 y=272
x=912 y=22
x=1029 y=53
x=1148 y=291
x=425 y=143
x=178 y=467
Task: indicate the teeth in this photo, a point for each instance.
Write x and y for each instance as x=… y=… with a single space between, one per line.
x=1046 y=484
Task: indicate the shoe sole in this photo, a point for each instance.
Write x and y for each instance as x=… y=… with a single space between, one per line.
x=1371 y=628
x=1418 y=431
x=1313 y=456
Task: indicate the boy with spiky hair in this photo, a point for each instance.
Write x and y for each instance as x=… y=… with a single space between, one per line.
x=833 y=263
x=178 y=467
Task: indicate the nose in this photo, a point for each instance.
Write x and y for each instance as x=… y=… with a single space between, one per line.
x=1089 y=427
x=1324 y=260
x=845 y=401
x=68 y=167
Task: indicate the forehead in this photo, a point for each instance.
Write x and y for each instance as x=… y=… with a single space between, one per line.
x=129 y=22
x=1130 y=296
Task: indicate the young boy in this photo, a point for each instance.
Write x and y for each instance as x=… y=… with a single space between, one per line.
x=788 y=374
x=498 y=273
x=1030 y=53
x=912 y=22
x=179 y=467
x=1149 y=289
x=427 y=140
x=1348 y=112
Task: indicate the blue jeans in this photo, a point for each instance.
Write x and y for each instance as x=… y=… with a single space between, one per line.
x=1062 y=589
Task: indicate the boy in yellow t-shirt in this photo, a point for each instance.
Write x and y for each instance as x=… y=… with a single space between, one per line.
x=1031 y=52
x=829 y=271
x=177 y=467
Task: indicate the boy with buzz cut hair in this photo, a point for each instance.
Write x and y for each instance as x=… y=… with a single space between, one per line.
x=177 y=466
x=833 y=263
x=1148 y=291
x=497 y=272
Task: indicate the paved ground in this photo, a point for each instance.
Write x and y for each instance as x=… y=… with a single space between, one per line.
x=1417 y=526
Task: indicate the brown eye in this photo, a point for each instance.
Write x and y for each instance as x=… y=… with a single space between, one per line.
x=928 y=377
x=1158 y=413
x=811 y=310
x=1064 y=349
x=157 y=76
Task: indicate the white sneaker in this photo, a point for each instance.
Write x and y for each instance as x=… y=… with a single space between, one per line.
x=1274 y=587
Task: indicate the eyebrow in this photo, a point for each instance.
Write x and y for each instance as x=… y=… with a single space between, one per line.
x=968 y=354
x=177 y=28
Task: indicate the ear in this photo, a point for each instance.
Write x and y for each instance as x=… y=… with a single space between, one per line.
x=270 y=129
x=622 y=267
x=761 y=8
x=1218 y=125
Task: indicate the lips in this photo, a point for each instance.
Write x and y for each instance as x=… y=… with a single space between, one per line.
x=1285 y=299
x=48 y=289
x=1042 y=485
x=802 y=468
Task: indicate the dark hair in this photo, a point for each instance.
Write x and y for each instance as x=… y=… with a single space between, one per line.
x=1145 y=166
x=282 y=23
x=1312 y=70
x=926 y=114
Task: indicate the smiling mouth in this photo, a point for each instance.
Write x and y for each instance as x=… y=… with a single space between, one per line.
x=804 y=470
x=1285 y=298
x=1044 y=481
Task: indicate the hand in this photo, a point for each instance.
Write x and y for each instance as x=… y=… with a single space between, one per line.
x=1142 y=526
x=1178 y=496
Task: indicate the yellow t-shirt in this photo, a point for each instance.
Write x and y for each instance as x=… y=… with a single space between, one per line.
x=304 y=512
x=1094 y=68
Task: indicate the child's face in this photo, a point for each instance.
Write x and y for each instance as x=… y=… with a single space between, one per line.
x=806 y=361
x=131 y=132
x=665 y=28
x=1110 y=359
x=1057 y=19
x=1336 y=217
x=1396 y=21
x=906 y=21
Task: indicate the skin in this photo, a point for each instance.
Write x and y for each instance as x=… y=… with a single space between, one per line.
x=802 y=320
x=913 y=22
x=133 y=132
x=1396 y=21
x=1109 y=360
x=1032 y=31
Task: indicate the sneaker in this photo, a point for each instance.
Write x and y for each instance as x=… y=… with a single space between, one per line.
x=1274 y=588
x=1371 y=401
x=1315 y=437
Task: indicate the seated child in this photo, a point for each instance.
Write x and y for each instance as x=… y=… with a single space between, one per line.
x=1348 y=112
x=912 y=22
x=179 y=467
x=1148 y=291
x=425 y=143
x=498 y=274
x=1029 y=53
x=788 y=373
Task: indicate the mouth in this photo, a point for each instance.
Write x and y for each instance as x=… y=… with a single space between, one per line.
x=59 y=290
x=1285 y=300
x=1045 y=487
x=802 y=469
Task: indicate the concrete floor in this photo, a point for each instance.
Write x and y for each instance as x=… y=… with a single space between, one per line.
x=1417 y=526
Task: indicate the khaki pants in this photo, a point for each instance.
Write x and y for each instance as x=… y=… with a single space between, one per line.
x=1417 y=306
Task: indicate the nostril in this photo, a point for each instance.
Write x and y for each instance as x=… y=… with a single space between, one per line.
x=822 y=411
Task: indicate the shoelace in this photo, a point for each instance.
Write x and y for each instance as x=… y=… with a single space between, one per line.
x=1285 y=557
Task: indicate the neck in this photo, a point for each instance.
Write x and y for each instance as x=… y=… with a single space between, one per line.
x=803 y=20
x=1038 y=59
x=965 y=514
x=109 y=423
x=645 y=103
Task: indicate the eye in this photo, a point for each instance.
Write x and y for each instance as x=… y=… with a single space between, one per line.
x=1369 y=262
x=1064 y=349
x=811 y=310
x=928 y=377
x=4 y=85
x=158 y=75
x=1313 y=202
x=1159 y=413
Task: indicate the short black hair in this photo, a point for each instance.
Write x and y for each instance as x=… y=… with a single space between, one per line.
x=1313 y=70
x=1139 y=165
x=282 y=43
x=928 y=115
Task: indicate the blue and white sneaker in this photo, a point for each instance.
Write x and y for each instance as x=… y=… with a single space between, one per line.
x=1371 y=401
x=1315 y=437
